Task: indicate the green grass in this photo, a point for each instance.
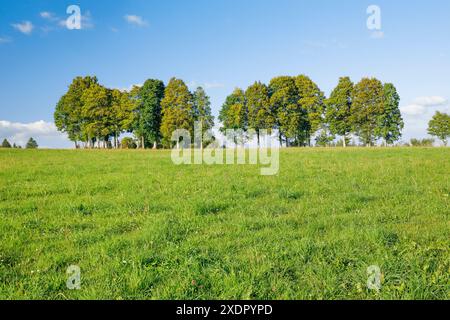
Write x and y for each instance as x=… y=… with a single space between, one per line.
x=140 y=227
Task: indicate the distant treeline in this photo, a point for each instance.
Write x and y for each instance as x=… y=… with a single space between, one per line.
x=294 y=106
x=31 y=144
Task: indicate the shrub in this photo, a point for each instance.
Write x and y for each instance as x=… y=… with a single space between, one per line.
x=422 y=143
x=128 y=143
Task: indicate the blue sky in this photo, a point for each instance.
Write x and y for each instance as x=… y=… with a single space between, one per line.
x=219 y=44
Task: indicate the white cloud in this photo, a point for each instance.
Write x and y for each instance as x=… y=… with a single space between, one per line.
x=86 y=20
x=419 y=112
x=26 y=27
x=431 y=101
x=136 y=20
x=413 y=109
x=45 y=133
x=47 y=15
x=422 y=105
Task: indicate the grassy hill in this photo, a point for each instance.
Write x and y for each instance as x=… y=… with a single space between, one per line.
x=140 y=227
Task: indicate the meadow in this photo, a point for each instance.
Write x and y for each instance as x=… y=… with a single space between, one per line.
x=140 y=227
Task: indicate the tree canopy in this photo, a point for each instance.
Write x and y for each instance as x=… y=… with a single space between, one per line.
x=97 y=116
x=338 y=109
x=367 y=107
x=148 y=119
x=439 y=126
x=177 y=109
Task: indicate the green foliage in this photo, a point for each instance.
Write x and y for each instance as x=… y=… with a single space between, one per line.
x=367 y=107
x=123 y=113
x=128 y=143
x=148 y=122
x=96 y=111
x=338 y=108
x=202 y=111
x=422 y=143
x=260 y=116
x=31 y=144
x=6 y=144
x=68 y=114
x=177 y=109
x=325 y=137
x=309 y=233
x=311 y=100
x=439 y=126
x=290 y=116
x=90 y=113
x=390 y=122
x=295 y=106
x=234 y=114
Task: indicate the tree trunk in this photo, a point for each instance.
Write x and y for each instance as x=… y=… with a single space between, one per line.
x=142 y=142
x=344 y=141
x=155 y=145
x=257 y=136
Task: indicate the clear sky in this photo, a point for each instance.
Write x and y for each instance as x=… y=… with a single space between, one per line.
x=219 y=44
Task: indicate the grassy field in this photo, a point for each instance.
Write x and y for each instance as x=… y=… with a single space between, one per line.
x=140 y=227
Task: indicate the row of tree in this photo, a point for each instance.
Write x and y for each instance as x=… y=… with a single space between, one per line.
x=294 y=106
x=31 y=144
x=96 y=116
x=298 y=109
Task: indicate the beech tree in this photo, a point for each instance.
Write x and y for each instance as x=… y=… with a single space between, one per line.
x=338 y=109
x=234 y=115
x=290 y=118
x=390 y=122
x=94 y=114
x=439 y=126
x=97 y=114
x=367 y=106
x=68 y=113
x=149 y=115
x=202 y=112
x=260 y=116
x=122 y=113
x=177 y=109
x=311 y=100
